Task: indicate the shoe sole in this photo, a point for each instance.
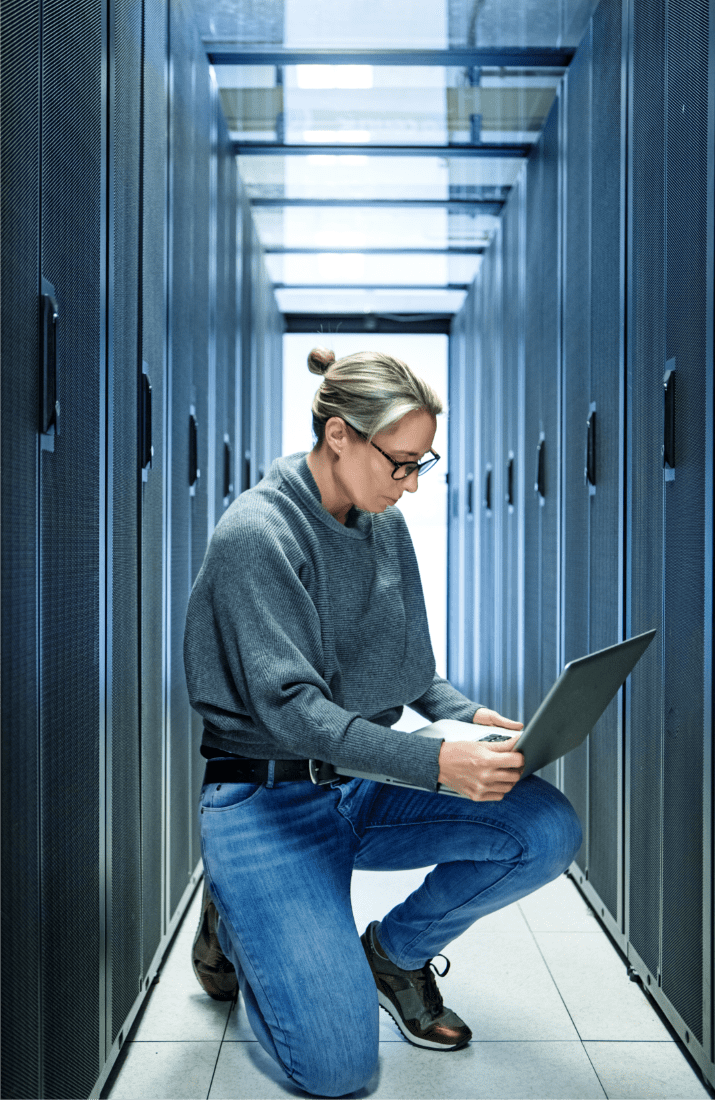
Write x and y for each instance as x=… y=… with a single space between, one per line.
x=213 y=990
x=207 y=981
x=385 y=1002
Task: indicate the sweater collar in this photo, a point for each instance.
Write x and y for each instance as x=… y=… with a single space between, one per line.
x=295 y=471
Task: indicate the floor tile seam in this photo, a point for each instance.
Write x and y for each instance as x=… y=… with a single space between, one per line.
x=582 y=1039
x=567 y=932
x=135 y=1042
x=598 y=930
x=573 y=1022
x=590 y=1061
x=619 y=959
x=650 y=1042
x=223 y=1039
x=556 y=986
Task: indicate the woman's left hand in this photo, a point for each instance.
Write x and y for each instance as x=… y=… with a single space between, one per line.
x=486 y=717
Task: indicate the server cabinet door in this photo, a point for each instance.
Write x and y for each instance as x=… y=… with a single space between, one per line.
x=510 y=501
x=461 y=547
x=124 y=909
x=20 y=403
x=470 y=498
x=602 y=443
x=201 y=382
x=686 y=966
x=576 y=397
x=550 y=407
x=455 y=574
x=487 y=335
x=247 y=338
x=225 y=453
x=542 y=372
x=592 y=427
x=187 y=204
x=646 y=366
x=154 y=540
x=73 y=553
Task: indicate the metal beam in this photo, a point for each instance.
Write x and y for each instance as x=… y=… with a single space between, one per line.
x=327 y=323
x=484 y=206
x=368 y=286
x=476 y=250
x=276 y=149
x=222 y=52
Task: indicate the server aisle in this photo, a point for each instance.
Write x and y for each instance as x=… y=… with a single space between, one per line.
x=141 y=383
x=540 y=984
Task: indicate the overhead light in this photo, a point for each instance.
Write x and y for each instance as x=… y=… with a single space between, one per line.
x=332 y=137
x=334 y=76
x=341 y=267
x=338 y=159
x=339 y=238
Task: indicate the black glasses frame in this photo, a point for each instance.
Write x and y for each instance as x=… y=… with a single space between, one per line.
x=421 y=467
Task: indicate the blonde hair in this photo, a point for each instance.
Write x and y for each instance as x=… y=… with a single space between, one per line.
x=368 y=390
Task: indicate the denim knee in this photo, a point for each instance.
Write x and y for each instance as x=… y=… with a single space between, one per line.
x=335 y=1075
x=555 y=832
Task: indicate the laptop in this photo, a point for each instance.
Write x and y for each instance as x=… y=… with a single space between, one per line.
x=563 y=721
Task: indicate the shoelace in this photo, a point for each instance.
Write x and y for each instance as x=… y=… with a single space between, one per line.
x=427 y=986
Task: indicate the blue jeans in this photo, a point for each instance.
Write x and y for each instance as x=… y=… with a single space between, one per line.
x=278 y=862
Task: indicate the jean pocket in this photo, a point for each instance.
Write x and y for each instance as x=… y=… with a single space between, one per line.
x=228 y=796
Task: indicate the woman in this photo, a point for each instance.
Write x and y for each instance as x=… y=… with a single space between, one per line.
x=306 y=634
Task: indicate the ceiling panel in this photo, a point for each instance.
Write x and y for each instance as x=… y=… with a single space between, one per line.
x=362 y=177
x=401 y=106
x=355 y=228
x=329 y=268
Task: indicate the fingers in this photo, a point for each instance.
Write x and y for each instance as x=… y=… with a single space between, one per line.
x=508 y=758
x=486 y=717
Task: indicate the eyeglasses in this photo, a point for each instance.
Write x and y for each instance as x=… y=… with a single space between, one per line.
x=408 y=467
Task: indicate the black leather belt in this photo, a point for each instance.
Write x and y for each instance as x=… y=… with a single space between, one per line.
x=221 y=770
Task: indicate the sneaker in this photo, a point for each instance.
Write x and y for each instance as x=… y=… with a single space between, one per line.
x=413 y=1000
x=215 y=974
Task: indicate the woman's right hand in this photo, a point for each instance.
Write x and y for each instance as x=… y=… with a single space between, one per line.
x=483 y=771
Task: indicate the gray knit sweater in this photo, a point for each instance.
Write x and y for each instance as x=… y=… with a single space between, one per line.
x=306 y=637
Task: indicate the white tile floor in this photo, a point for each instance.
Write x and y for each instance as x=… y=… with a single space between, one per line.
x=540 y=984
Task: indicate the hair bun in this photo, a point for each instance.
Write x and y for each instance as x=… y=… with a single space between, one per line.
x=320 y=360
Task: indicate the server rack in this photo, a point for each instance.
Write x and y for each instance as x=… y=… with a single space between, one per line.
x=121 y=312
x=593 y=432
x=20 y=773
x=617 y=203
x=669 y=554
x=74 y=632
x=155 y=482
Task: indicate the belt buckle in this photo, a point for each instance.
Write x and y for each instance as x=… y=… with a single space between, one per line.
x=321 y=774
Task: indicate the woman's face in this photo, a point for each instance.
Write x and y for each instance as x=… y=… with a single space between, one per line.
x=365 y=475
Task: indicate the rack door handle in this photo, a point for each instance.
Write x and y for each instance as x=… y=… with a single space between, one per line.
x=589 y=472
x=488 y=489
x=194 y=472
x=470 y=490
x=539 y=486
x=147 y=450
x=227 y=486
x=669 y=418
x=49 y=317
